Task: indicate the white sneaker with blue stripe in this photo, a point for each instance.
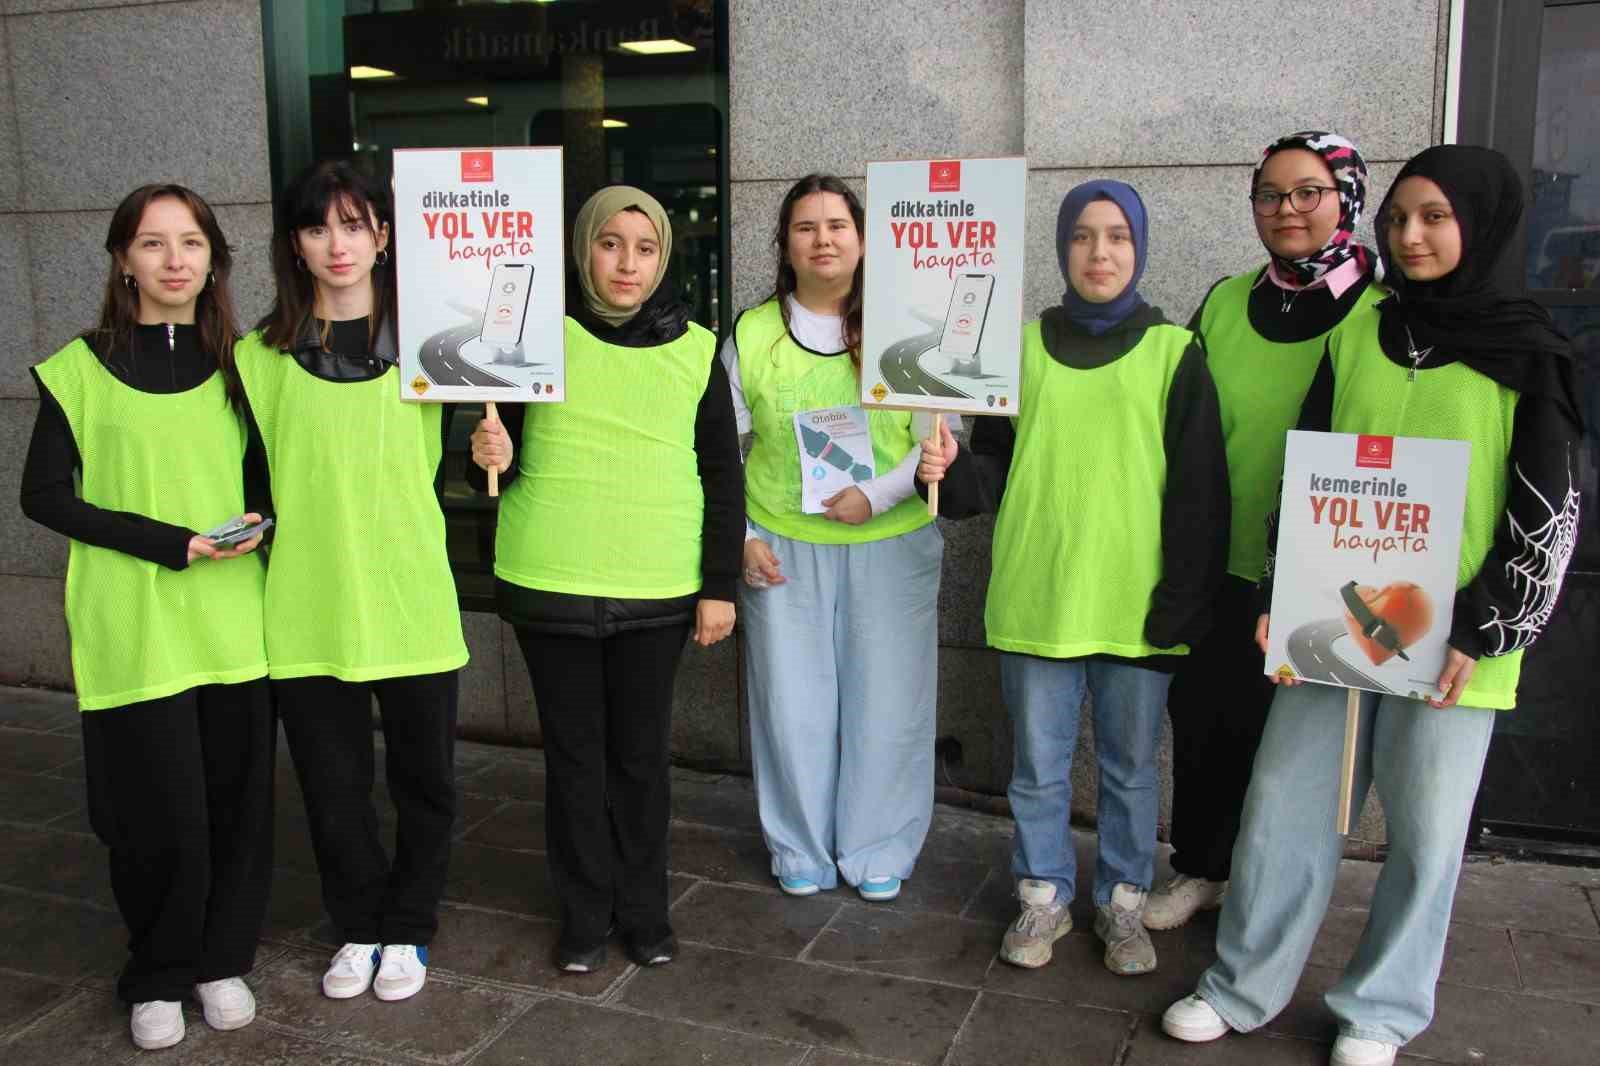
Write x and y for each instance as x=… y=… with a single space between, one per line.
x=402 y=972
x=878 y=889
x=350 y=972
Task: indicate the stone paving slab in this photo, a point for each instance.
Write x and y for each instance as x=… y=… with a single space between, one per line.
x=762 y=979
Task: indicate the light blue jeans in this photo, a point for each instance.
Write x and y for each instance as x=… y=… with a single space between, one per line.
x=1045 y=696
x=1426 y=764
x=841 y=672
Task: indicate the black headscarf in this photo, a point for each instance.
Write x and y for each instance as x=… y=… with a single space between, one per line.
x=1467 y=314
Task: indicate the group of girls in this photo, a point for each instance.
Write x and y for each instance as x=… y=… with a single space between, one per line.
x=1133 y=555
x=1133 y=497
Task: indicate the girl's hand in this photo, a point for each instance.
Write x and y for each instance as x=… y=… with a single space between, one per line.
x=200 y=547
x=491 y=446
x=849 y=506
x=1453 y=678
x=761 y=565
x=713 y=620
x=937 y=455
x=1261 y=642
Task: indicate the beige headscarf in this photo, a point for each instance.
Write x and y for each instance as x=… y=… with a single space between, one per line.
x=592 y=217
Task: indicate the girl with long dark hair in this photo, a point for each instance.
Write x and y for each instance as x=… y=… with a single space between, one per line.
x=360 y=601
x=616 y=542
x=142 y=439
x=840 y=608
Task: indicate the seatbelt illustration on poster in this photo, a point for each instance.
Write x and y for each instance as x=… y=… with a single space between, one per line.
x=1364 y=579
x=479 y=235
x=942 y=323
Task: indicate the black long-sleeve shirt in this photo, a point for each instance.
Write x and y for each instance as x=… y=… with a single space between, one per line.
x=49 y=493
x=1196 y=504
x=716 y=447
x=1503 y=608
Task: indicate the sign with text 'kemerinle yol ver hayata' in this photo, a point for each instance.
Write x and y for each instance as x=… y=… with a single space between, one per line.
x=1369 y=541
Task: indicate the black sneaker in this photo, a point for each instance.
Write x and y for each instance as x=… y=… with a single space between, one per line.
x=580 y=960
x=653 y=950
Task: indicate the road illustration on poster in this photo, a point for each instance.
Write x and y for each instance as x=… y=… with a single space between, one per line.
x=942 y=323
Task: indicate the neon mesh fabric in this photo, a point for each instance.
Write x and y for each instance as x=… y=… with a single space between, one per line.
x=359 y=586
x=1077 y=544
x=1453 y=402
x=607 y=500
x=1260 y=386
x=782 y=379
x=139 y=630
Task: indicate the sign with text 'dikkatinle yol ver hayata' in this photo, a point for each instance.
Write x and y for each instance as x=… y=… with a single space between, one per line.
x=942 y=326
x=479 y=246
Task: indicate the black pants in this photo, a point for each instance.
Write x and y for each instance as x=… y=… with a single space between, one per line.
x=180 y=790
x=329 y=727
x=605 y=707
x=1218 y=701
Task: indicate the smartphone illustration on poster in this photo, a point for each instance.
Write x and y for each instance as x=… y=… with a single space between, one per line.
x=509 y=290
x=969 y=307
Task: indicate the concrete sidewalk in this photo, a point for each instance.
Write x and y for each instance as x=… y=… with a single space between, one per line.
x=762 y=979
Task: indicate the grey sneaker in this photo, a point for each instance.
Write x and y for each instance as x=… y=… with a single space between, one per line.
x=1031 y=939
x=1128 y=948
x=1180 y=899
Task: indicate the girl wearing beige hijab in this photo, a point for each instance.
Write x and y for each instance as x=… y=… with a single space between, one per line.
x=619 y=537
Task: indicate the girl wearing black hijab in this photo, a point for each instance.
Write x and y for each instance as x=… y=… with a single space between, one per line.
x=1112 y=493
x=1451 y=354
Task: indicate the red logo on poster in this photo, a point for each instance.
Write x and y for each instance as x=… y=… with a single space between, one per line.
x=477 y=166
x=944 y=175
x=1376 y=452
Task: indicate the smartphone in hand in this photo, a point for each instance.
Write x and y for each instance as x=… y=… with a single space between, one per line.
x=236 y=531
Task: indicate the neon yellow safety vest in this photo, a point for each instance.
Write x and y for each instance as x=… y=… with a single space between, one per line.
x=607 y=499
x=1260 y=387
x=359 y=585
x=1077 y=544
x=1454 y=402
x=141 y=631
x=781 y=378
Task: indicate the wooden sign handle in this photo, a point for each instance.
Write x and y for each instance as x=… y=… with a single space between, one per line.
x=933 y=487
x=492 y=415
x=1347 y=771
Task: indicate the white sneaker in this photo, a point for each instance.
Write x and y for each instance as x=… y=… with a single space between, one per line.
x=228 y=1003
x=1031 y=939
x=350 y=972
x=1194 y=1020
x=404 y=969
x=1180 y=899
x=1354 y=1051
x=157 y=1023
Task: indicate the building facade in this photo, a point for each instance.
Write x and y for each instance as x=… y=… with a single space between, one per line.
x=1177 y=98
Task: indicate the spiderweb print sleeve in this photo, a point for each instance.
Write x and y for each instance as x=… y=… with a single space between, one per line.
x=1536 y=571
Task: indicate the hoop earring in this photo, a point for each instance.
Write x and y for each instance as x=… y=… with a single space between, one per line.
x=127 y=280
x=300 y=264
x=382 y=258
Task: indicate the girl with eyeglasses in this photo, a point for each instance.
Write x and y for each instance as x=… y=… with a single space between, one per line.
x=1449 y=353
x=143 y=438
x=1263 y=332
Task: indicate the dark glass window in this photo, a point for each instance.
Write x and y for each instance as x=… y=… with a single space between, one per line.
x=634 y=91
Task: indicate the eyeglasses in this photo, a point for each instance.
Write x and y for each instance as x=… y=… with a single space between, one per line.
x=1303 y=200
